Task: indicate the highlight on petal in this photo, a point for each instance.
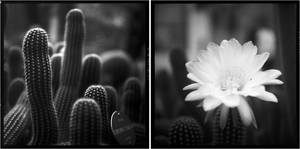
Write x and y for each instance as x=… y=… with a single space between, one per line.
x=210 y=103
x=258 y=62
x=194 y=78
x=224 y=116
x=199 y=94
x=244 y=110
x=192 y=86
x=261 y=93
x=231 y=100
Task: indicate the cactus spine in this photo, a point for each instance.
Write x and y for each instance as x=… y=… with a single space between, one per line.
x=84 y=123
x=68 y=89
x=185 y=131
x=15 y=88
x=98 y=93
x=15 y=121
x=234 y=131
x=56 y=66
x=90 y=72
x=38 y=84
x=112 y=97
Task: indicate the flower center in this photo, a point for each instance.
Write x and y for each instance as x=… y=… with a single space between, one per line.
x=232 y=80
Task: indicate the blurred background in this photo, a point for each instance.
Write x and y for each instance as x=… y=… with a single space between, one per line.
x=116 y=32
x=182 y=29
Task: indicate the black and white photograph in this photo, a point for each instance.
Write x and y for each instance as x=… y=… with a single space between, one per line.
x=74 y=74
x=225 y=74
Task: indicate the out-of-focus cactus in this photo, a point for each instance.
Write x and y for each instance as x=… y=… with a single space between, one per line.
x=15 y=88
x=50 y=49
x=68 y=89
x=39 y=88
x=15 y=62
x=5 y=80
x=91 y=72
x=131 y=105
x=116 y=68
x=15 y=121
x=140 y=134
x=56 y=66
x=185 y=131
x=234 y=131
x=133 y=84
x=59 y=46
x=85 y=123
x=112 y=97
x=98 y=93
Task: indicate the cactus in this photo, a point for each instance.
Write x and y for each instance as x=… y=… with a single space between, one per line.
x=112 y=96
x=140 y=133
x=116 y=68
x=98 y=93
x=68 y=89
x=38 y=84
x=185 y=131
x=91 y=69
x=15 y=88
x=59 y=47
x=131 y=105
x=233 y=132
x=15 y=121
x=84 y=123
x=5 y=82
x=161 y=141
x=56 y=66
x=15 y=63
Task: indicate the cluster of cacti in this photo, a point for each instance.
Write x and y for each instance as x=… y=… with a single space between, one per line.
x=50 y=111
x=185 y=131
x=91 y=72
x=84 y=123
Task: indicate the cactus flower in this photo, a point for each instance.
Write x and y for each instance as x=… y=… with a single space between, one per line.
x=226 y=75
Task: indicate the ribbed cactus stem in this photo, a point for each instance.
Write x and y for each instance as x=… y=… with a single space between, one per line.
x=131 y=105
x=98 y=93
x=15 y=121
x=91 y=71
x=185 y=131
x=234 y=131
x=56 y=67
x=85 y=123
x=112 y=97
x=38 y=84
x=68 y=89
x=15 y=88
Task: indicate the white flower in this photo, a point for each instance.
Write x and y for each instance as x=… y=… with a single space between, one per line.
x=225 y=75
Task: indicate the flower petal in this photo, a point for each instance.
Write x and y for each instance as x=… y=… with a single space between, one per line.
x=231 y=100
x=208 y=115
x=253 y=118
x=202 y=76
x=258 y=62
x=224 y=116
x=264 y=78
x=192 y=86
x=199 y=94
x=261 y=93
x=210 y=103
x=194 y=78
x=244 y=110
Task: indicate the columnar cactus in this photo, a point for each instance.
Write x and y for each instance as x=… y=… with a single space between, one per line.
x=68 y=89
x=98 y=93
x=234 y=131
x=15 y=88
x=185 y=131
x=85 y=123
x=116 y=68
x=91 y=71
x=15 y=121
x=112 y=97
x=15 y=62
x=131 y=105
x=39 y=88
x=56 y=66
